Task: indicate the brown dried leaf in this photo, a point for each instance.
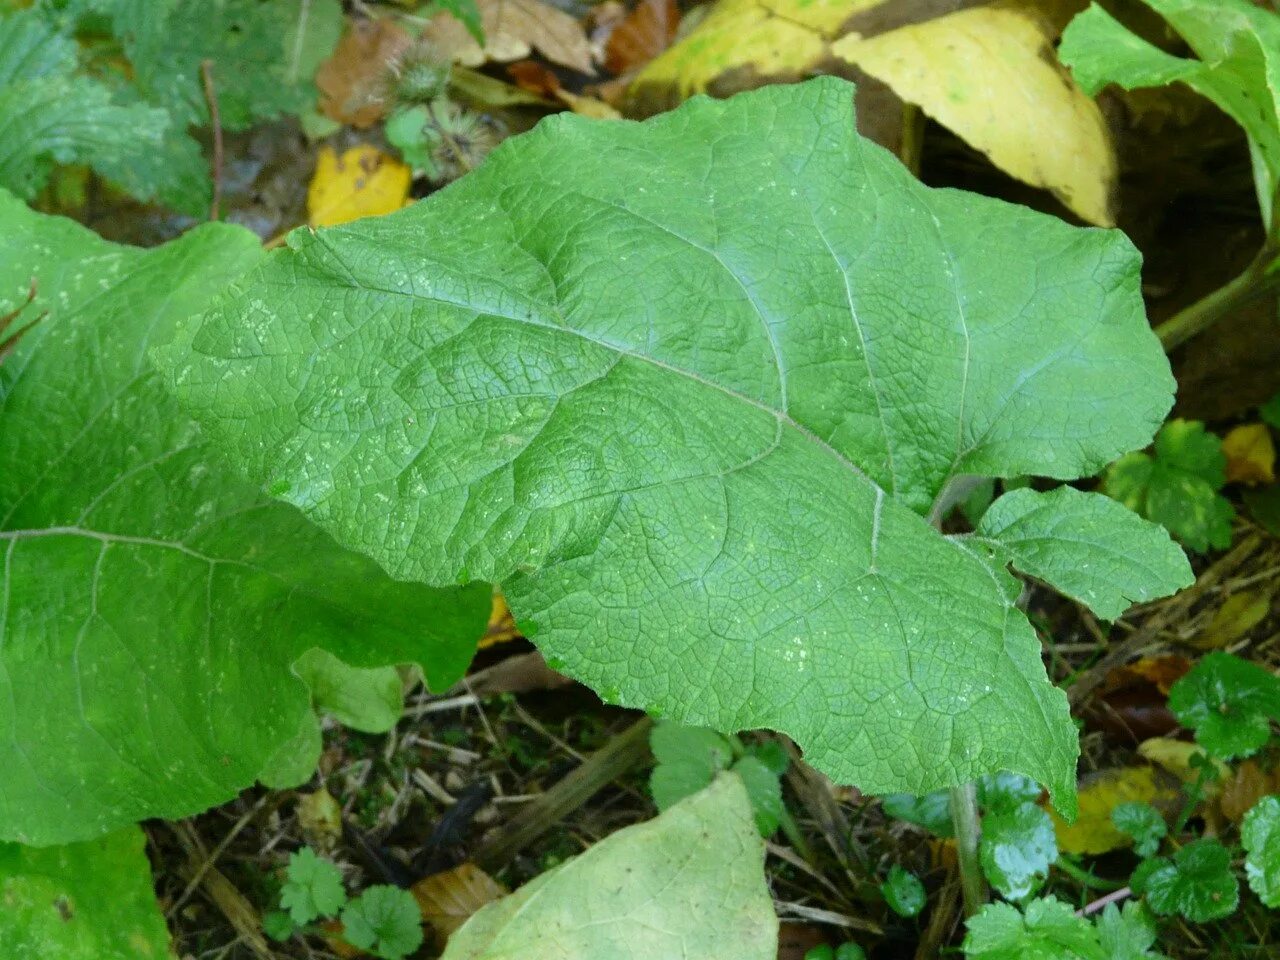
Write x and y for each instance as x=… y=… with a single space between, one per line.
x=1239 y=614
x=513 y=28
x=1245 y=787
x=646 y=32
x=536 y=78
x=448 y=899
x=350 y=80
x=1160 y=672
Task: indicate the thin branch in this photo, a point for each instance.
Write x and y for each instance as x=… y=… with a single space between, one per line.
x=215 y=121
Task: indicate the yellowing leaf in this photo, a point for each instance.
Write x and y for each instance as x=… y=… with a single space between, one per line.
x=1100 y=793
x=990 y=75
x=1251 y=456
x=502 y=626
x=1175 y=757
x=448 y=899
x=513 y=28
x=363 y=182
x=755 y=38
x=1239 y=614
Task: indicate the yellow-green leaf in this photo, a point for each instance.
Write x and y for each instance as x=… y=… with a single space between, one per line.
x=990 y=75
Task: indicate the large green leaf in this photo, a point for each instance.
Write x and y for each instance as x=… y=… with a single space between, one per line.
x=686 y=388
x=83 y=901
x=689 y=883
x=151 y=603
x=1238 y=46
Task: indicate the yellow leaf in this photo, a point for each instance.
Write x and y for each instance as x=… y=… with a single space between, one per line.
x=756 y=39
x=1239 y=614
x=512 y=28
x=502 y=626
x=447 y=900
x=363 y=182
x=1100 y=793
x=990 y=75
x=1175 y=757
x=1251 y=456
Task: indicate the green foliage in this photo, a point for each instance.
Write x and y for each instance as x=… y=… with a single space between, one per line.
x=83 y=901
x=440 y=140
x=903 y=892
x=278 y=925
x=1229 y=703
x=931 y=811
x=1237 y=44
x=1058 y=536
x=1270 y=411
x=1260 y=835
x=314 y=888
x=1017 y=848
x=1127 y=935
x=385 y=921
x=155 y=602
x=688 y=883
x=846 y=951
x=689 y=758
x=1144 y=823
x=1178 y=486
x=700 y=466
x=1196 y=883
x=1047 y=930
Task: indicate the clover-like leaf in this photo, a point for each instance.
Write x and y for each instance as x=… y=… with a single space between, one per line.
x=1230 y=703
x=1017 y=849
x=313 y=889
x=1048 y=930
x=1260 y=835
x=1086 y=545
x=384 y=920
x=689 y=883
x=82 y=901
x=1143 y=822
x=1178 y=486
x=687 y=389
x=155 y=603
x=1237 y=44
x=903 y=892
x=1128 y=934
x=1197 y=883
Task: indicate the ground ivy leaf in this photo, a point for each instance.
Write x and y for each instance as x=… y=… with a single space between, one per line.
x=1238 y=46
x=689 y=883
x=1018 y=847
x=765 y=792
x=1197 y=883
x=1087 y=546
x=385 y=921
x=684 y=388
x=903 y=892
x=153 y=602
x=1048 y=930
x=83 y=901
x=1229 y=703
x=1178 y=486
x=1143 y=822
x=1260 y=835
x=314 y=888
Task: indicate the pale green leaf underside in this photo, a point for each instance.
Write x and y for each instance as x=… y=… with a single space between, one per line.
x=84 y=901
x=1086 y=545
x=151 y=603
x=685 y=389
x=1238 y=46
x=687 y=885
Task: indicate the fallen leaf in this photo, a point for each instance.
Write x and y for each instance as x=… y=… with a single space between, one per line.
x=991 y=76
x=1251 y=455
x=1161 y=672
x=363 y=182
x=1175 y=756
x=536 y=78
x=1240 y=613
x=513 y=28
x=754 y=40
x=1100 y=793
x=522 y=673
x=1247 y=784
x=448 y=899
x=795 y=940
x=502 y=626
x=320 y=819
x=646 y=32
x=351 y=80
x=1132 y=703
x=489 y=93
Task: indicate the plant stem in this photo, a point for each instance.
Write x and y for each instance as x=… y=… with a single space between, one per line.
x=964 y=817
x=1261 y=277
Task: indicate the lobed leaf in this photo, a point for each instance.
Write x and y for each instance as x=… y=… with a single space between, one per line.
x=153 y=603
x=686 y=389
x=1260 y=835
x=1197 y=883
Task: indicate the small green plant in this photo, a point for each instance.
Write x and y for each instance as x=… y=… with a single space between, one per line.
x=903 y=892
x=383 y=920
